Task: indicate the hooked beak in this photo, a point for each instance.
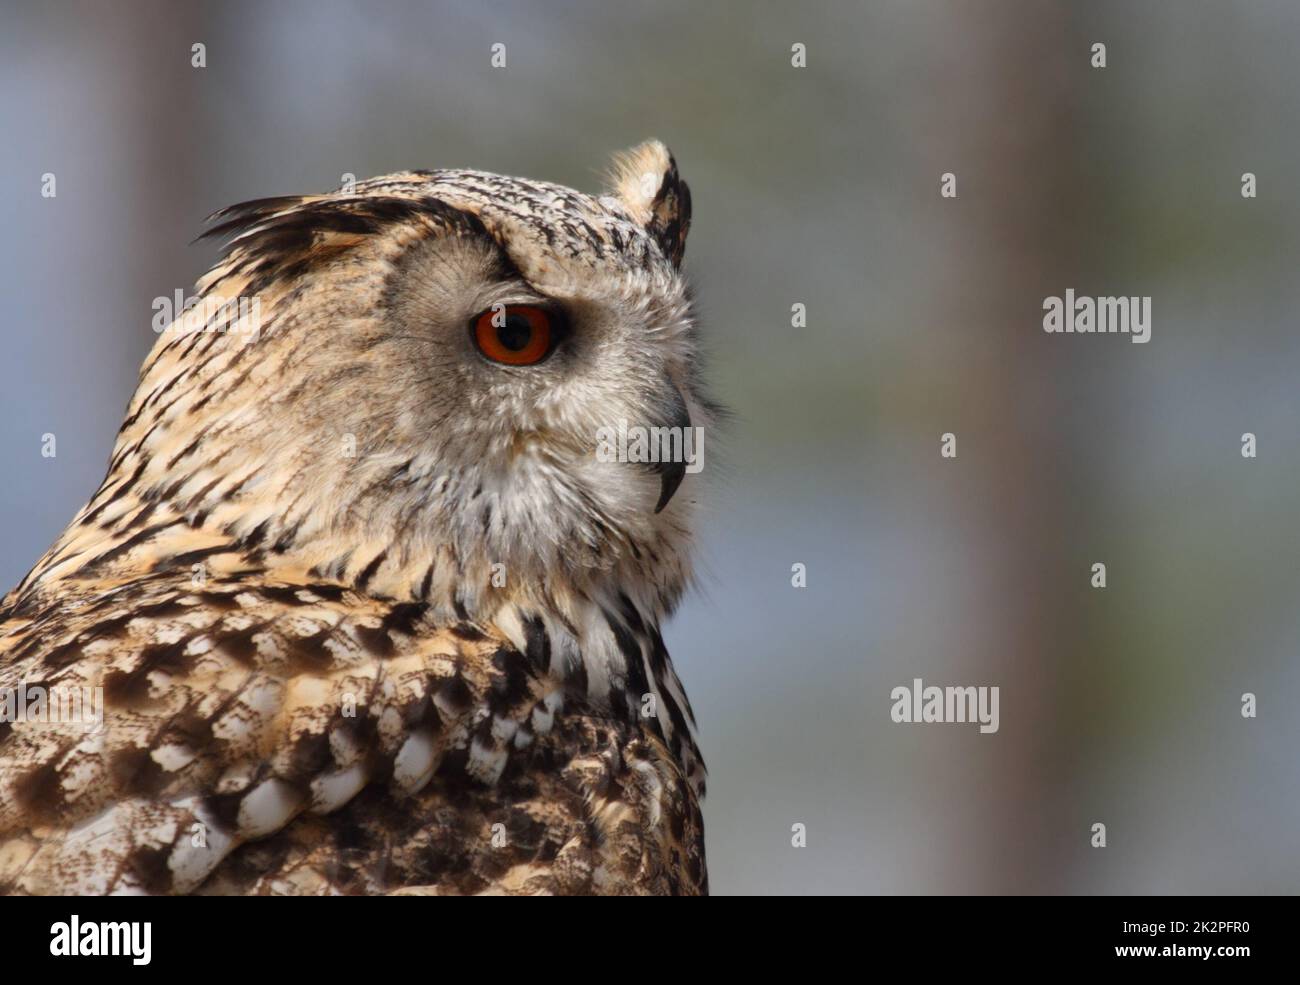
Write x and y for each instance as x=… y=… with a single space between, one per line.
x=670 y=477
x=671 y=473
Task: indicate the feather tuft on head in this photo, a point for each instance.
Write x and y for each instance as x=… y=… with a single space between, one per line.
x=645 y=180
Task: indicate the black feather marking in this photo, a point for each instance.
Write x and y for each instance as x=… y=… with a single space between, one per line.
x=273 y=238
x=368 y=572
x=537 y=644
x=404 y=617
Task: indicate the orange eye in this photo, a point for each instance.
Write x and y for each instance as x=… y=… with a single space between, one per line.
x=516 y=334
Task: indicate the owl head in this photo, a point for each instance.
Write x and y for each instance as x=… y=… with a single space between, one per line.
x=450 y=385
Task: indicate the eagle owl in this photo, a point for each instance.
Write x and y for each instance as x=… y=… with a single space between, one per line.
x=363 y=607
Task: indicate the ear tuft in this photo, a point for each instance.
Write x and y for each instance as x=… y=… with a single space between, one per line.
x=645 y=180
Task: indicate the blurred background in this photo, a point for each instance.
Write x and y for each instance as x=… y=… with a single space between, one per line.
x=817 y=186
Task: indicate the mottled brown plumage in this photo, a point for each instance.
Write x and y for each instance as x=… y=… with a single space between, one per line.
x=367 y=614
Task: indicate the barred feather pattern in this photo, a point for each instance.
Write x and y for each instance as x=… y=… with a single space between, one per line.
x=279 y=738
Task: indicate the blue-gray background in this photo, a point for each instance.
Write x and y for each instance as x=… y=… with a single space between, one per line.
x=821 y=186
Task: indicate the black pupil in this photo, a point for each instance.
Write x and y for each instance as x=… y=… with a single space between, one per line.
x=515 y=333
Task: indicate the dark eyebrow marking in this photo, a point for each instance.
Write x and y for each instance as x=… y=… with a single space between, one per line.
x=283 y=238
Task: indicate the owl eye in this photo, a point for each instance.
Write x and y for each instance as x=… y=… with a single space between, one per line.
x=516 y=334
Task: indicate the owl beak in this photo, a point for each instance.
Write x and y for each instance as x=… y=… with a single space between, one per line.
x=670 y=477
x=671 y=473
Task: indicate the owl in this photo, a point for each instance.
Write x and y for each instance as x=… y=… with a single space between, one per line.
x=363 y=604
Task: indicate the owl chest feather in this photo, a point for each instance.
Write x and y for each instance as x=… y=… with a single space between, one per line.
x=243 y=719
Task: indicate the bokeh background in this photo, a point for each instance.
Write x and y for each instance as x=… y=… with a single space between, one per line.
x=819 y=186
